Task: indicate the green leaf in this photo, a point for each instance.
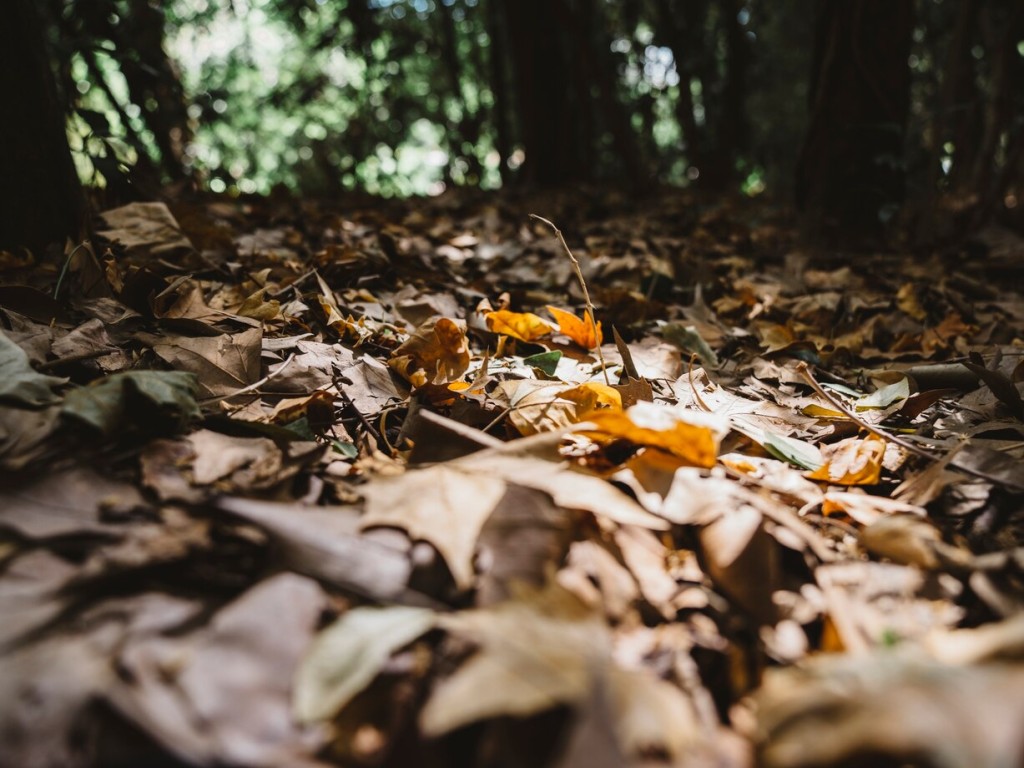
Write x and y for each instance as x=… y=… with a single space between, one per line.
x=546 y=361
x=884 y=396
x=136 y=401
x=688 y=339
x=792 y=450
x=345 y=448
x=348 y=655
x=20 y=382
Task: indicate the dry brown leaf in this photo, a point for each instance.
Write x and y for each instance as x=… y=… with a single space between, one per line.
x=852 y=462
x=440 y=505
x=223 y=364
x=436 y=353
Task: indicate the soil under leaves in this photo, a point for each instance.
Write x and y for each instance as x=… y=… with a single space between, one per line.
x=291 y=483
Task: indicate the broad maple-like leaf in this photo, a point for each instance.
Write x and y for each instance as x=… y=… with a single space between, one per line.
x=436 y=353
x=584 y=332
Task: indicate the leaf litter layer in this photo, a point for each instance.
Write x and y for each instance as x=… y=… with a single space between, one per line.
x=288 y=483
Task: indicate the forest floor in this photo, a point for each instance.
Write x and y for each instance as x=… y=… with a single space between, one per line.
x=298 y=484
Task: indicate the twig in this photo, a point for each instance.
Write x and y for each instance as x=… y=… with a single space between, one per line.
x=693 y=386
x=90 y=355
x=803 y=369
x=381 y=442
x=586 y=293
x=64 y=269
x=253 y=386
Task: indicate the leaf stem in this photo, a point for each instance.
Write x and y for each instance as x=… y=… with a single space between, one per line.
x=586 y=293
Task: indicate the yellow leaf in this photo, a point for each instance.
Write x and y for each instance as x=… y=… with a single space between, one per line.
x=524 y=326
x=693 y=443
x=436 y=353
x=852 y=462
x=584 y=332
x=592 y=396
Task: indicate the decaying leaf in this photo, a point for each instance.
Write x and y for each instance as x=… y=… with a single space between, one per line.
x=440 y=505
x=345 y=657
x=19 y=382
x=436 y=353
x=222 y=364
x=153 y=400
x=895 y=707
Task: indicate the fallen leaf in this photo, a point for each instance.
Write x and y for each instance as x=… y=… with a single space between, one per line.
x=852 y=462
x=222 y=694
x=436 y=353
x=146 y=229
x=524 y=326
x=535 y=653
x=441 y=505
x=345 y=657
x=19 y=382
x=583 y=332
x=891 y=707
x=647 y=424
x=151 y=400
x=222 y=364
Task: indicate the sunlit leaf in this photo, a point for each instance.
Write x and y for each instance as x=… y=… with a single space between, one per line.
x=436 y=353
x=694 y=443
x=584 y=332
x=852 y=462
x=524 y=326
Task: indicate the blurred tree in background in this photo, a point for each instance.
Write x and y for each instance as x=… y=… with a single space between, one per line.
x=869 y=113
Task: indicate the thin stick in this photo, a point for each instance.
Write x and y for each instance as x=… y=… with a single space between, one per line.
x=252 y=387
x=586 y=293
x=917 y=450
x=693 y=386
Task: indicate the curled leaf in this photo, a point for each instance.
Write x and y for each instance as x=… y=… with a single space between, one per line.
x=436 y=353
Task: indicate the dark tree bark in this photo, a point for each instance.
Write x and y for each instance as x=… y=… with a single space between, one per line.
x=466 y=130
x=999 y=109
x=732 y=131
x=851 y=174
x=499 y=87
x=679 y=28
x=40 y=196
x=543 y=66
x=599 y=70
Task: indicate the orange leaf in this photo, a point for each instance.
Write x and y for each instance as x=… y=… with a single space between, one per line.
x=693 y=443
x=436 y=353
x=852 y=462
x=592 y=396
x=524 y=326
x=583 y=332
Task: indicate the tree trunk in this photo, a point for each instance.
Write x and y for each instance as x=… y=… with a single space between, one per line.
x=851 y=172
x=499 y=87
x=40 y=197
x=543 y=68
